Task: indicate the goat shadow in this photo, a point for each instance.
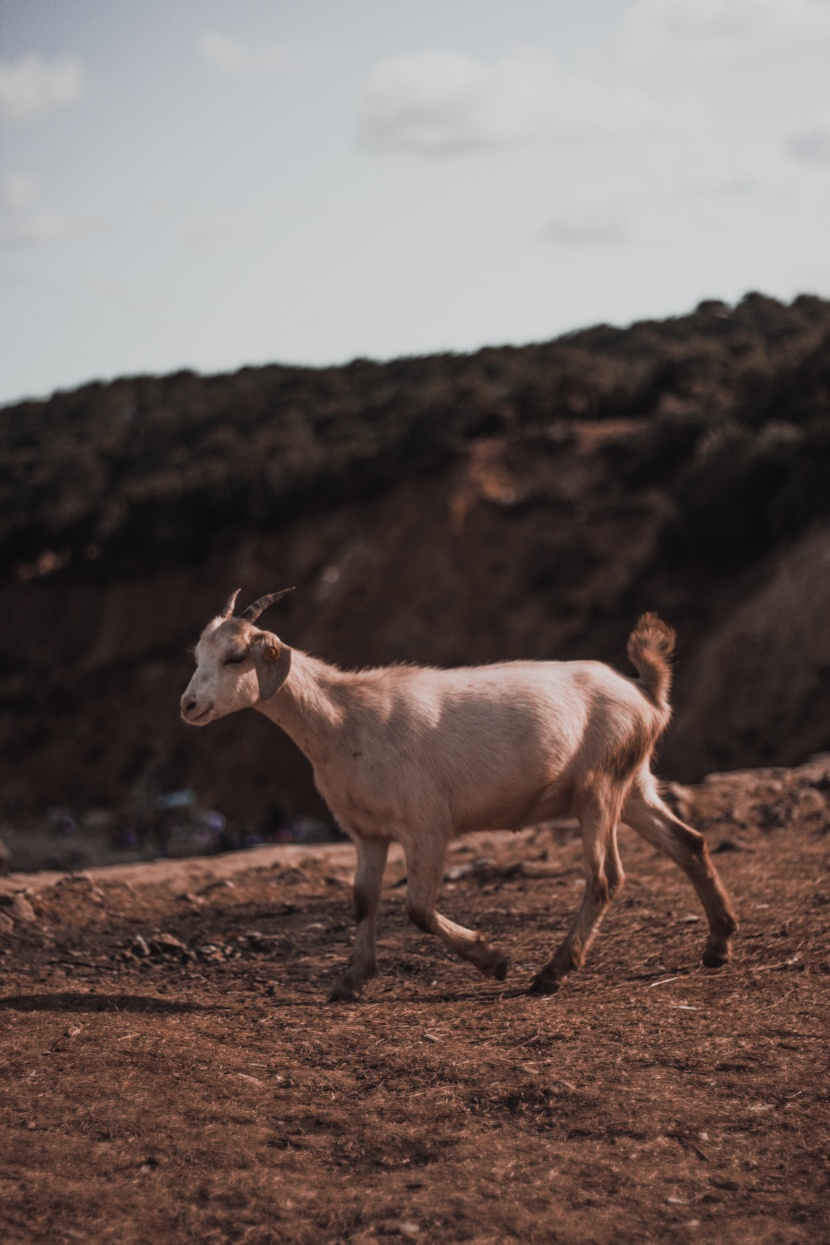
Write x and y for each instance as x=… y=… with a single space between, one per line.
x=75 y=1001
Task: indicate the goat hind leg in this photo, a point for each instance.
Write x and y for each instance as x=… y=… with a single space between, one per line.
x=371 y=861
x=646 y=813
x=424 y=871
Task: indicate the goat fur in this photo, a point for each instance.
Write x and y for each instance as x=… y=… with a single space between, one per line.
x=418 y=755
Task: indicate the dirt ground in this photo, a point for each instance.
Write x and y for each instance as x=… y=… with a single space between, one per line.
x=171 y=1071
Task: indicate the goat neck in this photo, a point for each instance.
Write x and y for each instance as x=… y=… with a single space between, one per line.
x=304 y=707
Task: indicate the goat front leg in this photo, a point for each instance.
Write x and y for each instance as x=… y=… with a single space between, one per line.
x=603 y=878
x=425 y=868
x=362 y=966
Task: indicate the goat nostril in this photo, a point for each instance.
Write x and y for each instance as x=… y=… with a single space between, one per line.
x=189 y=706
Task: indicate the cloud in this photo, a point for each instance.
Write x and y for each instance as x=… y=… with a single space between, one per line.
x=33 y=87
x=592 y=224
x=218 y=231
x=18 y=191
x=721 y=29
x=229 y=56
x=812 y=144
x=701 y=188
x=35 y=227
x=24 y=222
x=634 y=217
x=446 y=101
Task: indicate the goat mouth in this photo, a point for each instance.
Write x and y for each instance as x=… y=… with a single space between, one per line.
x=200 y=717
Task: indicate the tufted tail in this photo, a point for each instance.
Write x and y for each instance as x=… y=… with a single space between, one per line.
x=650 y=646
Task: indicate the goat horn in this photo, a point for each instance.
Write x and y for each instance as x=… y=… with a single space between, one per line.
x=227 y=612
x=253 y=612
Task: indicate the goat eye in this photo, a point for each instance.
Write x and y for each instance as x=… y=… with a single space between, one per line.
x=235 y=661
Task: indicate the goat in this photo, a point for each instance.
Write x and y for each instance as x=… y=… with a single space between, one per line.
x=417 y=755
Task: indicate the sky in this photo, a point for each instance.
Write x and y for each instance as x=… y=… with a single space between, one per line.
x=209 y=184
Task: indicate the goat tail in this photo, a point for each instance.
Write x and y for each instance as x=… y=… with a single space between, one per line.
x=650 y=646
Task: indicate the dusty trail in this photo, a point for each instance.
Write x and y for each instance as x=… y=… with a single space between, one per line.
x=171 y=1073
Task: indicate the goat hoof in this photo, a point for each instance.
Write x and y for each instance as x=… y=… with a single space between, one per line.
x=496 y=965
x=542 y=984
x=715 y=957
x=489 y=961
x=343 y=992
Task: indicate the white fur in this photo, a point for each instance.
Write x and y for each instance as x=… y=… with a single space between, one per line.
x=417 y=755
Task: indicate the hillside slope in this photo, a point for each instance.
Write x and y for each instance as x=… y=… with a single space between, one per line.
x=518 y=502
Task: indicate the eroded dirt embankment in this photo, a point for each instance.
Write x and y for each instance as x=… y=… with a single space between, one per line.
x=450 y=510
x=518 y=552
x=170 y=1071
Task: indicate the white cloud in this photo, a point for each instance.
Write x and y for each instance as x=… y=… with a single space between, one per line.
x=18 y=191
x=721 y=29
x=217 y=231
x=699 y=189
x=229 y=56
x=34 y=228
x=24 y=222
x=637 y=218
x=585 y=223
x=33 y=87
x=812 y=144
x=446 y=101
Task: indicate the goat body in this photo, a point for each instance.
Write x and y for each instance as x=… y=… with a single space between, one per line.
x=416 y=756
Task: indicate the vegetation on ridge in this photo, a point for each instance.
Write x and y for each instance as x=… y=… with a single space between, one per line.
x=732 y=405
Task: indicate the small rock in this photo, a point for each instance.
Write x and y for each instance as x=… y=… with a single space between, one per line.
x=22 y=910
x=209 y=951
x=190 y=897
x=292 y=875
x=220 y=884
x=168 y=944
x=6 y=924
x=811 y=805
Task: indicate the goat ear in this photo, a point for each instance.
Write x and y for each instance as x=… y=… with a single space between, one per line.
x=272 y=662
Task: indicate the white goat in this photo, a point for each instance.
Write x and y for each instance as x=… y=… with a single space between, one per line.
x=416 y=756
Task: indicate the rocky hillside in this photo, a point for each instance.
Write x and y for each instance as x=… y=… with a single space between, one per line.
x=515 y=502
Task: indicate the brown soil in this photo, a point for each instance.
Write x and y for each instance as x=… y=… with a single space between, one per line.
x=171 y=1072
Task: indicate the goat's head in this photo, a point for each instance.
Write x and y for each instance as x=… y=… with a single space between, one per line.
x=237 y=665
